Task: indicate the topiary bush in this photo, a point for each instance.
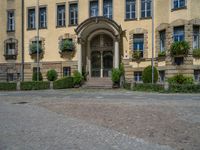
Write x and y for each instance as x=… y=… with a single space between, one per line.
x=181 y=79
x=5 y=86
x=78 y=78
x=147 y=75
x=52 y=75
x=179 y=48
x=34 y=76
x=35 y=85
x=196 y=53
x=64 y=83
x=116 y=74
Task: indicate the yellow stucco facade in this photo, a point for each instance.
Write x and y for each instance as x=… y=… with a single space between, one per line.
x=120 y=29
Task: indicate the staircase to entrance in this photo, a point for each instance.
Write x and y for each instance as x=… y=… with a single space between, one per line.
x=98 y=83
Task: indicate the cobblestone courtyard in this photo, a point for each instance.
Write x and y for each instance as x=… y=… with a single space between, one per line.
x=79 y=119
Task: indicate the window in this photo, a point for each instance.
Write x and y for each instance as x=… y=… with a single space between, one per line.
x=196 y=39
x=179 y=4
x=138 y=76
x=107 y=9
x=197 y=75
x=145 y=8
x=138 y=43
x=60 y=15
x=179 y=34
x=94 y=11
x=11 y=20
x=66 y=71
x=10 y=77
x=35 y=69
x=178 y=60
x=43 y=17
x=162 y=76
x=31 y=18
x=73 y=14
x=10 y=49
x=130 y=9
x=162 y=40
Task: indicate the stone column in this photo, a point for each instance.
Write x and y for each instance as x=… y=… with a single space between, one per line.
x=116 y=54
x=79 y=53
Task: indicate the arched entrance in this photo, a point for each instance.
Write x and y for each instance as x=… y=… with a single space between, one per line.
x=101 y=51
x=98 y=46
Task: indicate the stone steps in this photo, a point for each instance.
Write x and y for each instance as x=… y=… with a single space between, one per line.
x=98 y=83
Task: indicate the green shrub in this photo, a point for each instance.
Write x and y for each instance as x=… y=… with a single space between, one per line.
x=35 y=85
x=78 y=78
x=179 y=48
x=196 y=53
x=162 y=54
x=184 y=88
x=121 y=68
x=64 y=83
x=33 y=48
x=116 y=74
x=66 y=45
x=147 y=75
x=5 y=86
x=148 y=87
x=52 y=75
x=34 y=77
x=127 y=86
x=180 y=79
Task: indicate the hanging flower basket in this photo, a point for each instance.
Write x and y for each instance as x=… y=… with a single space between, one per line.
x=178 y=49
x=33 y=49
x=66 y=46
x=137 y=55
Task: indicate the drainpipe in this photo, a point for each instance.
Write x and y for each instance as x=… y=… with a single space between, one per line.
x=152 y=60
x=22 y=40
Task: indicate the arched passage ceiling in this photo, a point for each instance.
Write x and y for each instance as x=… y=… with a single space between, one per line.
x=97 y=23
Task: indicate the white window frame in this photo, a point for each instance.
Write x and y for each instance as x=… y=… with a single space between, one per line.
x=43 y=23
x=32 y=17
x=146 y=10
x=173 y=7
x=11 y=20
x=131 y=11
x=93 y=10
x=63 y=16
x=108 y=6
x=73 y=20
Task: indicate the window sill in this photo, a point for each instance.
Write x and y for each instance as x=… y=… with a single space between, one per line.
x=30 y=29
x=180 y=8
x=61 y=26
x=145 y=18
x=10 y=31
x=72 y=25
x=41 y=28
x=134 y=19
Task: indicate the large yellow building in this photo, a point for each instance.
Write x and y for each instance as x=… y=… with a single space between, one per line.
x=94 y=36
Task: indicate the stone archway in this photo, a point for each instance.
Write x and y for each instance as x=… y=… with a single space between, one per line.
x=89 y=30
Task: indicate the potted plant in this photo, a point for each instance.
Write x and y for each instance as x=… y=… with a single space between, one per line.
x=116 y=75
x=33 y=48
x=78 y=78
x=137 y=55
x=162 y=54
x=66 y=45
x=196 y=53
x=179 y=49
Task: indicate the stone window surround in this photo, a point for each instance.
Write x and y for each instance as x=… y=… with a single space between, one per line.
x=67 y=36
x=138 y=31
x=169 y=28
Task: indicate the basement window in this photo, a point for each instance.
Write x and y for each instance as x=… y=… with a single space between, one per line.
x=178 y=60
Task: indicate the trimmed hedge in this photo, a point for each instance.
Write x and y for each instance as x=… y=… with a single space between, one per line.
x=35 y=85
x=5 y=86
x=147 y=87
x=184 y=88
x=181 y=79
x=64 y=83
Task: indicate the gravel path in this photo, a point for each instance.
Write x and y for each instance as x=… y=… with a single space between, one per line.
x=79 y=119
x=29 y=127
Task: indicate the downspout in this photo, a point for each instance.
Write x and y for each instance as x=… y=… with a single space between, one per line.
x=22 y=40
